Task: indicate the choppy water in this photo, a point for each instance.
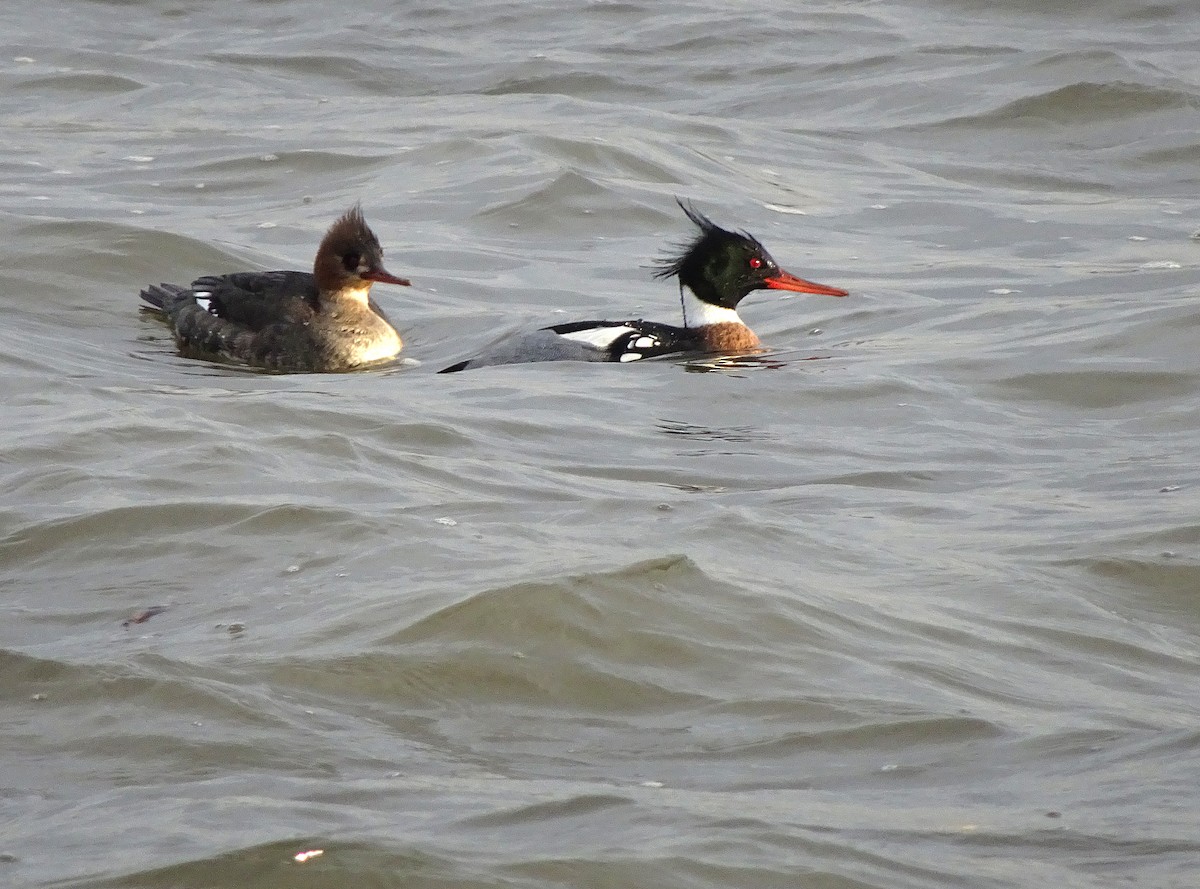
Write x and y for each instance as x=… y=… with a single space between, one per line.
x=922 y=613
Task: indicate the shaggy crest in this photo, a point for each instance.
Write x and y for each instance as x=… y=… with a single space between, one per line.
x=350 y=234
x=710 y=232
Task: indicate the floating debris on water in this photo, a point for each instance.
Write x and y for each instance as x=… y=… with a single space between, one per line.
x=140 y=617
x=782 y=208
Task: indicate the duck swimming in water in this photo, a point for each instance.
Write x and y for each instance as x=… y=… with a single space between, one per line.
x=318 y=321
x=715 y=271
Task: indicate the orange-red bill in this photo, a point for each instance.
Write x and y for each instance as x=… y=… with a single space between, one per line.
x=782 y=280
x=383 y=276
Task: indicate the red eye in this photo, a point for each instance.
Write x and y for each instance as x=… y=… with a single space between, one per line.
x=755 y=262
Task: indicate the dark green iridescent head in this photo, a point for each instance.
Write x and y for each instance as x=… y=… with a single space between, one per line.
x=721 y=267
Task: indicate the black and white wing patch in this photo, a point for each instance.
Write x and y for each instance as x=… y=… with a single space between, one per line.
x=258 y=299
x=204 y=300
x=622 y=341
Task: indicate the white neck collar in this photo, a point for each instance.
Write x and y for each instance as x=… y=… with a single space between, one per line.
x=698 y=313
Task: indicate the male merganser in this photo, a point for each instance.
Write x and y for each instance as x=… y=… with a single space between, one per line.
x=717 y=269
x=324 y=320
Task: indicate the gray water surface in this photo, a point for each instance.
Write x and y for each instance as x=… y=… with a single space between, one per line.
x=921 y=611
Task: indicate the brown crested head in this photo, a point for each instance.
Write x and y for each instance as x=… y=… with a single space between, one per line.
x=350 y=256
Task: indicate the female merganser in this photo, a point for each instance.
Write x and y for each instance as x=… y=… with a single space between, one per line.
x=290 y=321
x=717 y=269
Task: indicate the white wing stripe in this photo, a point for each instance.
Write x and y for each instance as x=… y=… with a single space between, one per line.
x=599 y=337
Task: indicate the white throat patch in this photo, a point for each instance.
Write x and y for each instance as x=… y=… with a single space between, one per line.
x=360 y=294
x=698 y=313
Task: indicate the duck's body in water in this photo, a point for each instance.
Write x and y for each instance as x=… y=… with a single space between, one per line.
x=323 y=321
x=716 y=271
